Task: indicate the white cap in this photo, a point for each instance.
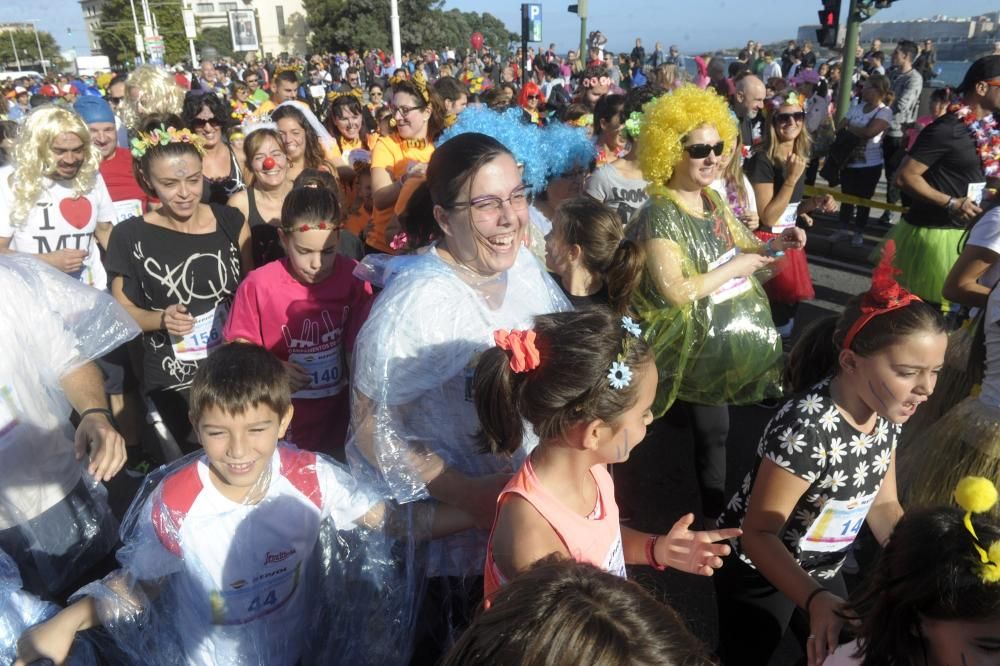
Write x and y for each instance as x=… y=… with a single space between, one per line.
x=18 y=90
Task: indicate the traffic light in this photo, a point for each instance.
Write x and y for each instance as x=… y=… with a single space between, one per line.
x=829 y=23
x=573 y=9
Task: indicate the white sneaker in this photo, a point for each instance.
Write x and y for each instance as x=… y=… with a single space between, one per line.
x=858 y=240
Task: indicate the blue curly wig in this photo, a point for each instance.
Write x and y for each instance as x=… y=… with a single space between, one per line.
x=566 y=148
x=523 y=140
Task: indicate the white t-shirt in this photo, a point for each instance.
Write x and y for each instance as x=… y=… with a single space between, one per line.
x=59 y=221
x=986 y=233
x=990 y=394
x=241 y=568
x=857 y=117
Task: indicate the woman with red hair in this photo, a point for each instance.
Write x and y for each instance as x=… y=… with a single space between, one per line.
x=531 y=100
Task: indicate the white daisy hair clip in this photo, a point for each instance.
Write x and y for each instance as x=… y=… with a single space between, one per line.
x=620 y=375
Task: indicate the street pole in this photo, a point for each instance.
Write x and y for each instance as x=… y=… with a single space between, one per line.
x=847 y=67
x=38 y=43
x=582 y=10
x=13 y=47
x=138 y=35
x=397 y=49
x=524 y=43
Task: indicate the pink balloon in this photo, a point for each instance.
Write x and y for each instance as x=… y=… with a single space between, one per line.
x=476 y=40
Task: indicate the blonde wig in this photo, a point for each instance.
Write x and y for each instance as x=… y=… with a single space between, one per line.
x=150 y=90
x=34 y=161
x=667 y=120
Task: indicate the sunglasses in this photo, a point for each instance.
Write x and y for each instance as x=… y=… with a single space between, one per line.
x=532 y=96
x=199 y=123
x=700 y=151
x=115 y=100
x=797 y=116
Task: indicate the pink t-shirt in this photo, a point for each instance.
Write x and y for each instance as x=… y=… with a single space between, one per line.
x=313 y=325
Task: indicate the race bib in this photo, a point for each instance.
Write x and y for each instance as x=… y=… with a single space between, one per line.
x=732 y=288
x=248 y=601
x=203 y=338
x=975 y=192
x=787 y=219
x=126 y=209
x=837 y=525
x=326 y=369
x=614 y=563
x=9 y=410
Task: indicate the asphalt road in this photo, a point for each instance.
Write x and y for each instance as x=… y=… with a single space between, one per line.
x=658 y=483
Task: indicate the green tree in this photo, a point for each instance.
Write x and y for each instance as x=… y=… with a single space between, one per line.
x=339 y=25
x=27 y=49
x=217 y=38
x=117 y=32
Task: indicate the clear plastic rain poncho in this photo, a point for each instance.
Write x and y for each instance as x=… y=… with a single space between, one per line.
x=715 y=349
x=303 y=571
x=414 y=362
x=20 y=610
x=54 y=518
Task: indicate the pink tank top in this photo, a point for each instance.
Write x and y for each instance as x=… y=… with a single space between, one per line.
x=594 y=540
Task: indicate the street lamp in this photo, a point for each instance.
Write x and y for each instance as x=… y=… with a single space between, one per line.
x=38 y=43
x=13 y=48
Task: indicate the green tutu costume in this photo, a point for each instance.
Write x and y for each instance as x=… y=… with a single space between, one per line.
x=924 y=257
x=719 y=349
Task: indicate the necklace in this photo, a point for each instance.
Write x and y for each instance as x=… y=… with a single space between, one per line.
x=418 y=144
x=984 y=131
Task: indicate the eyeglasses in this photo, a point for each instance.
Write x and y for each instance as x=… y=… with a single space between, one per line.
x=783 y=118
x=992 y=84
x=375 y=93
x=199 y=123
x=487 y=208
x=700 y=151
x=404 y=111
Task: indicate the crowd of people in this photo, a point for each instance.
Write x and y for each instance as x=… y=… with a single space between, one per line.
x=371 y=341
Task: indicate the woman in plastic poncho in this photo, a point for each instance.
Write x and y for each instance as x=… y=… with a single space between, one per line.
x=706 y=314
x=414 y=424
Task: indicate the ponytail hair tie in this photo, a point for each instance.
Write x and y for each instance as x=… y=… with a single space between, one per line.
x=524 y=356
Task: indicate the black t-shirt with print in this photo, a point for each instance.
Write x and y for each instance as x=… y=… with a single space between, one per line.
x=160 y=267
x=759 y=169
x=810 y=438
x=949 y=152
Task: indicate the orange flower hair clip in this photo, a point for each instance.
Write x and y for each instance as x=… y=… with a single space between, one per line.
x=524 y=356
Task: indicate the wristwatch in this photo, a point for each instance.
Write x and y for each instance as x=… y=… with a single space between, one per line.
x=950 y=206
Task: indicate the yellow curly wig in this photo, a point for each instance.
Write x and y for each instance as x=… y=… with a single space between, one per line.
x=668 y=119
x=33 y=158
x=150 y=90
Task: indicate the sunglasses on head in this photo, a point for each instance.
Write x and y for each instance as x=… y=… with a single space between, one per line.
x=198 y=123
x=797 y=116
x=700 y=151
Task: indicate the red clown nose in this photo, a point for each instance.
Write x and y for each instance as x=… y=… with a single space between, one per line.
x=269 y=163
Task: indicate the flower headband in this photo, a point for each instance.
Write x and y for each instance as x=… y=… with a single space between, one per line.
x=632 y=124
x=791 y=98
x=162 y=136
x=524 y=356
x=976 y=494
x=595 y=81
x=885 y=294
x=586 y=120
x=620 y=375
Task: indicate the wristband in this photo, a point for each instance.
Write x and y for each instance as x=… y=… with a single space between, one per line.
x=951 y=201
x=99 y=410
x=651 y=556
x=812 y=595
x=769 y=248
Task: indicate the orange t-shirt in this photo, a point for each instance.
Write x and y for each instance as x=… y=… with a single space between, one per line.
x=594 y=539
x=395 y=155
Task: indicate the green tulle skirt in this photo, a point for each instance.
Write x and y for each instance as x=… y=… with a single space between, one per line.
x=924 y=256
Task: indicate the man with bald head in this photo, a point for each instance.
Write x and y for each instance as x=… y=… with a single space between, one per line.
x=746 y=102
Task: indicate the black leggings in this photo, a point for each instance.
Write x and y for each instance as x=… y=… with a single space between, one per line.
x=754 y=615
x=859 y=182
x=710 y=426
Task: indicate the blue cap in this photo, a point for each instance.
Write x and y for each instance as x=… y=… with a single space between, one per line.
x=94 y=110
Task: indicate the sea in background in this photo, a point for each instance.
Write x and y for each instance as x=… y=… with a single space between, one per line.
x=951 y=72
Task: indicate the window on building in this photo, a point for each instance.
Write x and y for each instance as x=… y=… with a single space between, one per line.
x=228 y=7
x=281 y=20
x=205 y=7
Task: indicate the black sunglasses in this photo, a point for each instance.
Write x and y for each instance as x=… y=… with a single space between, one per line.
x=700 y=151
x=115 y=100
x=797 y=116
x=198 y=123
x=532 y=96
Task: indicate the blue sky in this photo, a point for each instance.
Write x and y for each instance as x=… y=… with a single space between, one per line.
x=693 y=25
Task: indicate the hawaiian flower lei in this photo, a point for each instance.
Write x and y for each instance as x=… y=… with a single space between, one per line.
x=620 y=375
x=985 y=133
x=163 y=136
